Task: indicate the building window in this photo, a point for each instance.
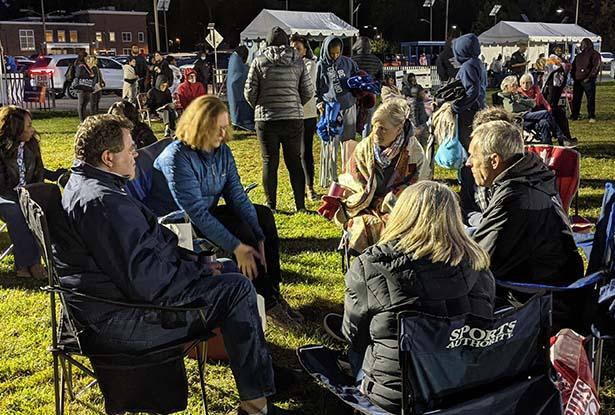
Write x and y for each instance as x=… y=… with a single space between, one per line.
x=99 y=37
x=73 y=36
x=61 y=36
x=125 y=51
x=48 y=35
x=111 y=36
x=141 y=37
x=126 y=37
x=26 y=39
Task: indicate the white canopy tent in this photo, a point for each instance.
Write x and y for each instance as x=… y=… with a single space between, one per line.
x=505 y=36
x=315 y=25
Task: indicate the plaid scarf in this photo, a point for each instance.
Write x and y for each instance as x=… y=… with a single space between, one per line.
x=384 y=157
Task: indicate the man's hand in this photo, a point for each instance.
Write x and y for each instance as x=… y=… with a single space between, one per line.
x=320 y=107
x=246 y=260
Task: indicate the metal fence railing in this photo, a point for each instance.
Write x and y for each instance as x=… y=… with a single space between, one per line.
x=434 y=79
x=32 y=92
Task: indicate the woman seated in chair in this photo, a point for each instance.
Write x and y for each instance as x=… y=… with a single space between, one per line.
x=200 y=169
x=160 y=101
x=20 y=164
x=424 y=261
x=539 y=120
x=141 y=133
x=383 y=164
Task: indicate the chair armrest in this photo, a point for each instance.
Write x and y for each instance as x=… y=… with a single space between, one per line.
x=62 y=290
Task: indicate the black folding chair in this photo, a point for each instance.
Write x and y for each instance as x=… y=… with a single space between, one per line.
x=42 y=208
x=461 y=365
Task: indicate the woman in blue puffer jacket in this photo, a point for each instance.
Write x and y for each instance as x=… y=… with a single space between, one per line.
x=199 y=168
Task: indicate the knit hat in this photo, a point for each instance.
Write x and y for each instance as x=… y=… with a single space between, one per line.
x=277 y=37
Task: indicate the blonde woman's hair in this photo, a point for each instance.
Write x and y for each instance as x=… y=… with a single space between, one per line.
x=394 y=111
x=525 y=77
x=91 y=60
x=426 y=223
x=197 y=125
x=510 y=80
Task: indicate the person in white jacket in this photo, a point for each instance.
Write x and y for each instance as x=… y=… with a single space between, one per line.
x=129 y=87
x=310 y=115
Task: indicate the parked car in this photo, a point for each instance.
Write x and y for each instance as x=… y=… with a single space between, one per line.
x=23 y=64
x=607 y=58
x=57 y=65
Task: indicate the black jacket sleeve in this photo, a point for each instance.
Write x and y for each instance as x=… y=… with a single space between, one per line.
x=356 y=309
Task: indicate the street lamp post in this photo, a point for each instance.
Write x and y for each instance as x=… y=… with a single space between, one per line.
x=44 y=27
x=576 y=16
x=430 y=3
x=446 y=22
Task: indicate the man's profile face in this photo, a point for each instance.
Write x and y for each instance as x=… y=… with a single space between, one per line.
x=123 y=163
x=482 y=168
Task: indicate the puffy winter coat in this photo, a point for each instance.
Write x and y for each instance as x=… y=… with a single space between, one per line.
x=384 y=281
x=9 y=171
x=278 y=85
x=187 y=92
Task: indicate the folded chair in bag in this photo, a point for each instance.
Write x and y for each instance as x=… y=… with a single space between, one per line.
x=459 y=365
x=152 y=380
x=9 y=248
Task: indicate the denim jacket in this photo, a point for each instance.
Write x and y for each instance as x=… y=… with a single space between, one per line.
x=197 y=179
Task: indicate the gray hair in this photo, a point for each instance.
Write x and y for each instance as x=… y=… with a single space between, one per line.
x=499 y=137
x=526 y=77
x=395 y=111
x=508 y=81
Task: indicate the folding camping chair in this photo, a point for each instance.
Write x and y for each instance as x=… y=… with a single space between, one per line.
x=41 y=204
x=142 y=108
x=9 y=248
x=460 y=365
x=565 y=163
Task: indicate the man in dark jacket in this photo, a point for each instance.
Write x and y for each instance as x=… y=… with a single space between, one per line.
x=277 y=87
x=585 y=69
x=202 y=68
x=120 y=252
x=160 y=66
x=160 y=101
x=524 y=227
x=370 y=63
x=140 y=68
x=518 y=62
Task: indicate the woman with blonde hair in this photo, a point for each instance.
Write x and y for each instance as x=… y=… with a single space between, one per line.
x=99 y=83
x=382 y=165
x=199 y=168
x=424 y=261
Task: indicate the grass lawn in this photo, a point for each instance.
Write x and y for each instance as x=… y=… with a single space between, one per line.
x=312 y=277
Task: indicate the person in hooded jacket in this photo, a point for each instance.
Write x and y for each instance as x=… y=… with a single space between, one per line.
x=130 y=86
x=446 y=69
x=141 y=133
x=424 y=261
x=242 y=115
x=190 y=89
x=277 y=87
x=473 y=77
x=370 y=63
x=332 y=75
x=202 y=68
x=524 y=227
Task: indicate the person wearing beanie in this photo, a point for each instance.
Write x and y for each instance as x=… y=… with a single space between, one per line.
x=277 y=87
x=159 y=101
x=370 y=63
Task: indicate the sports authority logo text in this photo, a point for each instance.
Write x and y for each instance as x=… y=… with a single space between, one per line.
x=475 y=337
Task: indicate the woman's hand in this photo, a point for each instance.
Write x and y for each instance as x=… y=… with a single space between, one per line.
x=246 y=260
x=261 y=251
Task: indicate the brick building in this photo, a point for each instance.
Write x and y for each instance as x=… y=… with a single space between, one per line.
x=104 y=32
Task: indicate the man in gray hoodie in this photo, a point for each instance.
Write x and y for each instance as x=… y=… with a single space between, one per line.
x=277 y=87
x=331 y=86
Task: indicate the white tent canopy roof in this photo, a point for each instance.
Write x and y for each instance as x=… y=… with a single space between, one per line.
x=506 y=32
x=316 y=25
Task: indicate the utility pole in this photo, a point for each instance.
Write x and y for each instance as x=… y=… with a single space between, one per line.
x=45 y=27
x=156 y=25
x=351 y=11
x=431 y=23
x=166 y=32
x=446 y=22
x=576 y=16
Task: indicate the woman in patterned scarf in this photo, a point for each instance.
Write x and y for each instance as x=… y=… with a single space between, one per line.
x=20 y=164
x=383 y=164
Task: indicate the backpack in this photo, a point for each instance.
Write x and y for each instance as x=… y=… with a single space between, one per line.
x=70 y=72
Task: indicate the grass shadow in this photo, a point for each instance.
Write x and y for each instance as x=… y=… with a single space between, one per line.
x=293 y=246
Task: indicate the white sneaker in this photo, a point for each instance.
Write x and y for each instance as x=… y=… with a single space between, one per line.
x=592 y=120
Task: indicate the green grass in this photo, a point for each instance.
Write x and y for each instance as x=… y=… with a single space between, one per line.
x=313 y=281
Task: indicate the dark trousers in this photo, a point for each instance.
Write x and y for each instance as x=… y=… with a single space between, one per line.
x=267 y=283
x=307 y=152
x=589 y=89
x=289 y=134
x=544 y=124
x=25 y=248
x=228 y=301
x=466 y=179
x=94 y=101
x=83 y=99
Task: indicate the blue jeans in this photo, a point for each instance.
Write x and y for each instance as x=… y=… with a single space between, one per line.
x=544 y=124
x=25 y=249
x=227 y=301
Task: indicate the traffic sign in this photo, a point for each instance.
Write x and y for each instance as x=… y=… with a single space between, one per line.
x=214 y=38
